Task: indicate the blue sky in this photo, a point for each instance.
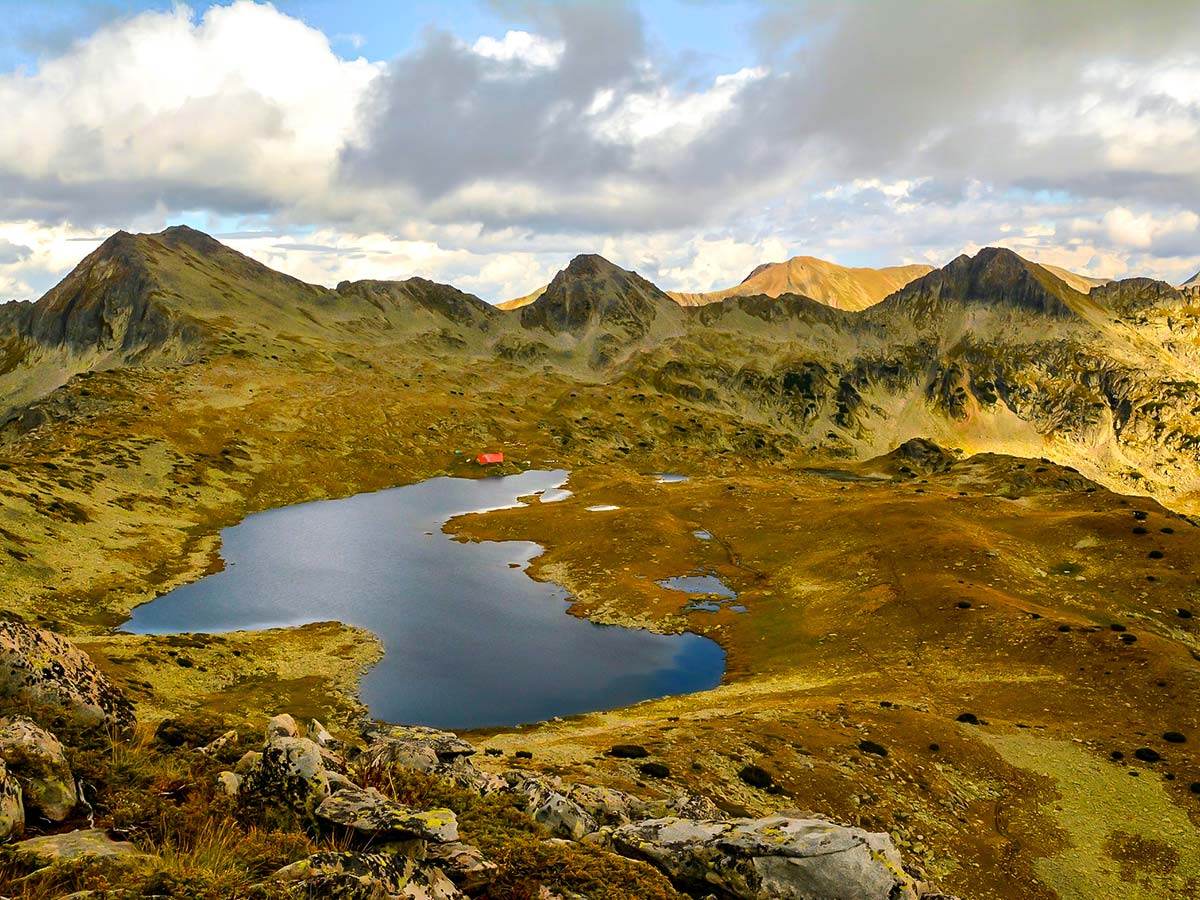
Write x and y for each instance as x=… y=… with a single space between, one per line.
x=486 y=143
x=713 y=35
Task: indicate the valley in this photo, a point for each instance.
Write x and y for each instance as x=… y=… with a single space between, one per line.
x=958 y=521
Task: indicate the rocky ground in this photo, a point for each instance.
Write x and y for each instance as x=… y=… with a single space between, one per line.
x=401 y=812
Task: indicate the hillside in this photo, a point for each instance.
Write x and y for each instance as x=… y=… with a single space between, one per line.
x=1081 y=283
x=518 y=302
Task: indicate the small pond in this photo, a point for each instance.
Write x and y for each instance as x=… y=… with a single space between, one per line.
x=711 y=593
x=470 y=639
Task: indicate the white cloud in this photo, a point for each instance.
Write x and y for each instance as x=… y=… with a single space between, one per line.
x=509 y=153
x=676 y=117
x=244 y=98
x=48 y=253
x=521 y=47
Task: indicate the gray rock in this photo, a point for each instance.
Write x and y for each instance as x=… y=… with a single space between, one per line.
x=372 y=814
x=397 y=743
x=605 y=805
x=428 y=750
x=465 y=865
x=338 y=782
x=464 y=773
x=229 y=783
x=229 y=737
x=684 y=806
x=319 y=733
x=44 y=667
x=367 y=876
x=548 y=805
x=12 y=808
x=776 y=857
x=282 y=725
x=250 y=760
x=37 y=760
x=290 y=773
x=92 y=842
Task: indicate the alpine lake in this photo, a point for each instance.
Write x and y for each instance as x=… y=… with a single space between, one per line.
x=470 y=639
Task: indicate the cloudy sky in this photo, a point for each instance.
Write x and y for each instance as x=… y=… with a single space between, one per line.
x=485 y=143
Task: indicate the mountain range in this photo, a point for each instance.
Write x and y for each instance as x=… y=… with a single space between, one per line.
x=990 y=352
x=841 y=287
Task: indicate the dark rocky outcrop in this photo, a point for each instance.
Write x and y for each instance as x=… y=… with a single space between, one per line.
x=111 y=301
x=438 y=299
x=41 y=667
x=1133 y=295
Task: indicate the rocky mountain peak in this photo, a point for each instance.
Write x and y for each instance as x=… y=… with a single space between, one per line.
x=183 y=236
x=996 y=277
x=593 y=291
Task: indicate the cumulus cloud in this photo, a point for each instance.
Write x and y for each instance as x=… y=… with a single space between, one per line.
x=871 y=133
x=241 y=110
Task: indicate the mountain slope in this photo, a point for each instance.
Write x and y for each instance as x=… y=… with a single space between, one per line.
x=518 y=302
x=994 y=277
x=838 y=286
x=168 y=298
x=991 y=352
x=1194 y=281
x=1081 y=283
x=599 y=307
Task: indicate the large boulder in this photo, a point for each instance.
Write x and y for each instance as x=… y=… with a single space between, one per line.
x=373 y=815
x=775 y=858
x=91 y=843
x=547 y=802
x=290 y=772
x=440 y=753
x=413 y=746
x=464 y=864
x=39 y=763
x=12 y=809
x=366 y=876
x=44 y=668
x=612 y=807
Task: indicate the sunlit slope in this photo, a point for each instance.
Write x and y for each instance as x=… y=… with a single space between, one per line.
x=838 y=286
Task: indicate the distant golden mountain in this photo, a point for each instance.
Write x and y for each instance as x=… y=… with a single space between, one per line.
x=1081 y=283
x=841 y=287
x=518 y=302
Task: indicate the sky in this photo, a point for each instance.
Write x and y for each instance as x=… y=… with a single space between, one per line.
x=486 y=142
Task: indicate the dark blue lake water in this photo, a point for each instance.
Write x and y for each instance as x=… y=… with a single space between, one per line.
x=470 y=640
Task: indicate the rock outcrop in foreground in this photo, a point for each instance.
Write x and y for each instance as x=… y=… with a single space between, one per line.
x=417 y=854
x=341 y=804
x=44 y=668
